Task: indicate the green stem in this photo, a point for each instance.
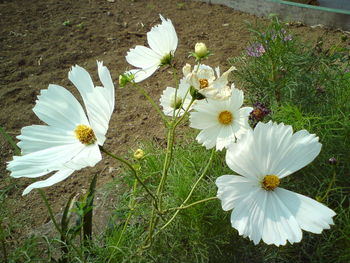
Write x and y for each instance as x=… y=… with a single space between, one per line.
x=43 y=196
x=194 y=203
x=190 y=193
x=177 y=122
x=10 y=141
x=154 y=105
x=134 y=173
x=132 y=204
x=166 y=165
x=176 y=87
x=329 y=186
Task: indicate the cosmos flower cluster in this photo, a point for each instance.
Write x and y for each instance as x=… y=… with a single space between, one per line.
x=260 y=157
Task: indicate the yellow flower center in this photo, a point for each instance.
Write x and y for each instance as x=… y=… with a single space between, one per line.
x=270 y=182
x=85 y=134
x=203 y=83
x=225 y=117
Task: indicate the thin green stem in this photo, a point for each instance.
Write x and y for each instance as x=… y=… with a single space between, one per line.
x=46 y=202
x=166 y=165
x=200 y=177
x=168 y=156
x=176 y=86
x=154 y=105
x=10 y=141
x=192 y=204
x=190 y=193
x=134 y=173
x=177 y=122
x=43 y=196
x=329 y=188
x=132 y=204
x=181 y=208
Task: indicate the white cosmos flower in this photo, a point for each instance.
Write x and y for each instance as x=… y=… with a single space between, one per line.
x=208 y=82
x=162 y=40
x=221 y=122
x=70 y=140
x=261 y=209
x=170 y=103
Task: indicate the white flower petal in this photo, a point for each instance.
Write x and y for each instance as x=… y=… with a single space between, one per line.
x=57 y=107
x=97 y=101
x=236 y=98
x=249 y=207
x=240 y=157
x=107 y=82
x=232 y=188
x=162 y=38
x=39 y=137
x=225 y=137
x=198 y=120
x=222 y=81
x=208 y=137
x=89 y=156
x=280 y=225
x=311 y=215
x=304 y=148
x=168 y=99
x=42 y=162
x=142 y=74
x=143 y=57
x=54 y=179
x=281 y=152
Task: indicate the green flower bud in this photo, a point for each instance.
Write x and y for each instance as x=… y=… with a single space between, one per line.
x=201 y=50
x=126 y=78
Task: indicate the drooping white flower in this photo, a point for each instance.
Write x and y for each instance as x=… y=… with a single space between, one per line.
x=70 y=140
x=221 y=122
x=208 y=82
x=162 y=40
x=176 y=100
x=261 y=209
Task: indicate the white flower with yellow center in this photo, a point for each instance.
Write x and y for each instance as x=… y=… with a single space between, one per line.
x=208 y=82
x=221 y=122
x=261 y=209
x=175 y=100
x=162 y=40
x=70 y=140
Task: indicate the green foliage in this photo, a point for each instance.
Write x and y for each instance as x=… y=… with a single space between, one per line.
x=306 y=87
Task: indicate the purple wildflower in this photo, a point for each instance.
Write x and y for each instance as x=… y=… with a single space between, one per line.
x=258 y=113
x=255 y=50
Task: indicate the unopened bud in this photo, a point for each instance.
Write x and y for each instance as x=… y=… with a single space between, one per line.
x=201 y=50
x=332 y=161
x=139 y=154
x=125 y=78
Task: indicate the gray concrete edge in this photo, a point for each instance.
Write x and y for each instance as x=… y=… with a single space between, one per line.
x=289 y=12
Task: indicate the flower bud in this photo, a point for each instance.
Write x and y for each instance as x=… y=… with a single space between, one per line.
x=201 y=50
x=332 y=161
x=139 y=154
x=125 y=78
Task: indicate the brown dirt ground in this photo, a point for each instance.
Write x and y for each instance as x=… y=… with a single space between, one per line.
x=36 y=49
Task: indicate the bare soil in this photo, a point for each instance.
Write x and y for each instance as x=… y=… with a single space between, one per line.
x=41 y=39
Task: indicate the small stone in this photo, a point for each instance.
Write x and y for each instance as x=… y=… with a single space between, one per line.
x=111 y=1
